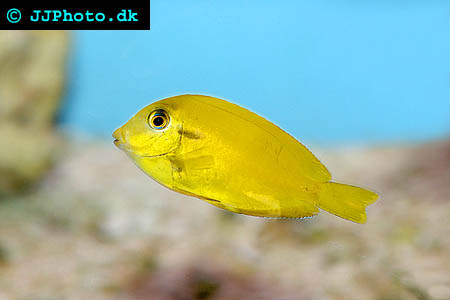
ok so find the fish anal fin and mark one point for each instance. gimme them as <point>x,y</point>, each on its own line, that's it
<point>270,207</point>
<point>297,212</point>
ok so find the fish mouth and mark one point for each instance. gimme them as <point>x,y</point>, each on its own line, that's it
<point>117,138</point>
<point>119,144</point>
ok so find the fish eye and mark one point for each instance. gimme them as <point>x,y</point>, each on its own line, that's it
<point>158,119</point>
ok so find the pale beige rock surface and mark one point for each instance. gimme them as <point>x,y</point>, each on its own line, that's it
<point>32,72</point>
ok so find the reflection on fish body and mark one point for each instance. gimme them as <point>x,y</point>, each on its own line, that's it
<point>234,159</point>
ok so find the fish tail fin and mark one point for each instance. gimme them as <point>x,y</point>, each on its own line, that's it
<point>345,201</point>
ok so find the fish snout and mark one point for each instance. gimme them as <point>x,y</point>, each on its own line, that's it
<point>118,137</point>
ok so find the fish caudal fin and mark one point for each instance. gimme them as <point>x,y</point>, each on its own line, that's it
<point>345,201</point>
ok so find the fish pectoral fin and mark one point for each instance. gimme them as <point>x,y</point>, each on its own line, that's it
<point>193,163</point>
<point>194,160</point>
<point>200,162</point>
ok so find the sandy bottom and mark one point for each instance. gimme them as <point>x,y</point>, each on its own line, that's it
<point>98,228</point>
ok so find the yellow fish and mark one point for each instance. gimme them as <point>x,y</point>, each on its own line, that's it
<point>234,159</point>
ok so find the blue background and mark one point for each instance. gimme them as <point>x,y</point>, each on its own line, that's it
<point>326,71</point>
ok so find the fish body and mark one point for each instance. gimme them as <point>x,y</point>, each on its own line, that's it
<point>234,159</point>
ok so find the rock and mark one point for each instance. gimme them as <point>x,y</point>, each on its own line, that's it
<point>32,69</point>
